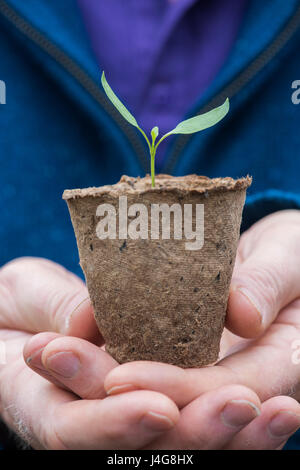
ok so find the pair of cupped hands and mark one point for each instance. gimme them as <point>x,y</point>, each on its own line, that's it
<point>59,389</point>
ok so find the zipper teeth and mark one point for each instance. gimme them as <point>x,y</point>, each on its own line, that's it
<point>87,83</point>
<point>241,81</point>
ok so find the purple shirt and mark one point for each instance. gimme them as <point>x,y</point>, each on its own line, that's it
<point>160,55</point>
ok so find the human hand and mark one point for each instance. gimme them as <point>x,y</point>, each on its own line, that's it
<point>216,419</point>
<point>264,364</point>
<point>267,271</point>
<point>73,411</point>
<point>37,295</point>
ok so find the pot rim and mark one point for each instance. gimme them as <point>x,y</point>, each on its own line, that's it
<point>164,183</point>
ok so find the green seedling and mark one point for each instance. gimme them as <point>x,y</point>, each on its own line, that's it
<point>189,126</point>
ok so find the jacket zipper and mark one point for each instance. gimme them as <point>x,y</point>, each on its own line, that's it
<point>89,85</point>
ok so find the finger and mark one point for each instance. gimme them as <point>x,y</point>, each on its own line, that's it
<point>32,353</point>
<point>47,417</point>
<point>269,365</point>
<point>212,420</point>
<point>181,385</point>
<point>266,279</point>
<point>128,421</point>
<point>71,362</point>
<point>279,420</point>
<point>39,295</point>
<point>27,403</point>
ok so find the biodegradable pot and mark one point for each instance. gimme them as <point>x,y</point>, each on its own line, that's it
<point>154,299</point>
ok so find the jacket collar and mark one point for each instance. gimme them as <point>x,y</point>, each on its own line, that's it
<point>262,23</point>
<point>262,26</point>
<point>55,35</point>
<point>61,24</point>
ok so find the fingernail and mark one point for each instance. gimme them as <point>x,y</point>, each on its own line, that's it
<point>35,359</point>
<point>238,413</point>
<point>120,389</point>
<point>65,364</point>
<point>157,422</point>
<point>283,424</point>
<point>249,297</point>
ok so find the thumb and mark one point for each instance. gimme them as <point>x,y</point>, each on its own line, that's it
<point>38,295</point>
<point>262,284</point>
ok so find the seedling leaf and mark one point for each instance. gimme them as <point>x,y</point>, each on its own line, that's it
<point>190,126</point>
<point>203,121</point>
<point>117,103</point>
<point>154,133</point>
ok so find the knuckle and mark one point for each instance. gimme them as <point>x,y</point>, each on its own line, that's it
<point>59,304</point>
<point>265,284</point>
<point>19,271</point>
<point>17,264</point>
<point>52,441</point>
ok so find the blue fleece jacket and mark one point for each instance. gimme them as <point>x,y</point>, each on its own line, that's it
<point>58,131</point>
